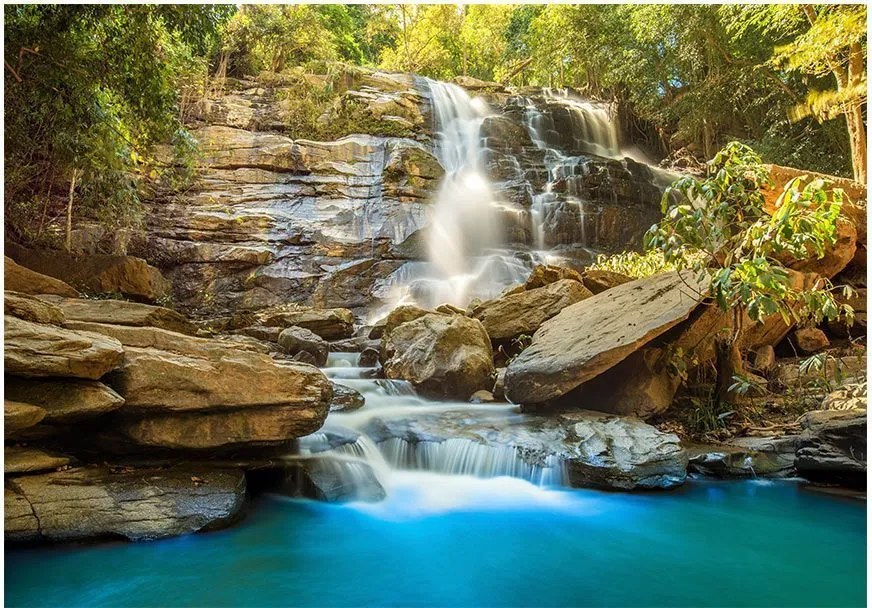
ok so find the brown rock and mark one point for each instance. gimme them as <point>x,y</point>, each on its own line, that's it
<point>810,340</point>
<point>523,313</point>
<point>64,399</point>
<point>858,302</point>
<point>441,355</point>
<point>297,339</point>
<point>121,312</point>
<point>543,275</point>
<point>395,318</point>
<point>17,460</point>
<point>18,416</point>
<point>329,323</point>
<point>764,359</point>
<point>21,279</point>
<point>33,349</point>
<point>597,281</point>
<point>836,257</point>
<point>587,338</point>
<point>32,309</point>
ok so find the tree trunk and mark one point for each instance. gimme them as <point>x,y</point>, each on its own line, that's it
<point>729,363</point>
<point>69,231</point>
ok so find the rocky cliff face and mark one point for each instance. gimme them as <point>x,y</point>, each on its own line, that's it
<point>271,219</point>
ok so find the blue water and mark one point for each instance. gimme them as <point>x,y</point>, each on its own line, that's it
<point>462,542</point>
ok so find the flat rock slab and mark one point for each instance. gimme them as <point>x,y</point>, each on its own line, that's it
<point>583,449</point>
<point>136,504</point>
<point>17,460</point>
<point>18,416</point>
<point>31,308</point>
<point>34,349</point>
<point>64,399</point>
<point>832,446</point>
<point>122,312</point>
<point>24,280</point>
<point>589,337</point>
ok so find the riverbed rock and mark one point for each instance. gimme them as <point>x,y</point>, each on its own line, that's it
<point>589,337</point>
<point>395,318</point>
<point>592,449</point>
<point>34,349</point>
<point>368,357</point>
<point>328,323</point>
<point>298,339</point>
<point>441,355</point>
<point>832,446</point>
<point>345,399</point>
<point>510,316</point>
<point>545,274</point>
<point>126,275</point>
<point>122,312</point>
<point>745,457</point>
<point>20,460</point>
<point>31,308</point>
<point>136,504</point>
<point>21,279</point>
<point>64,400</point>
<point>18,416</point>
<point>153,380</point>
<point>331,480</point>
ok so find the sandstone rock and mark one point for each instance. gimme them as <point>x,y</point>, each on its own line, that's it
<point>859,302</point>
<point>598,281</point>
<point>247,427</point>
<point>810,340</point>
<point>296,339</point>
<point>18,416</point>
<point>499,389</point>
<point>305,356</point>
<point>117,274</point>
<point>543,275</point>
<point>746,457</point>
<point>330,323</point>
<point>523,313</point>
<point>589,337</point>
<point>450,309</point>
<point>791,372</point>
<point>64,399</point>
<point>441,355</point>
<point>152,380</point>
<point>594,449</point>
<point>395,318</point>
<point>764,359</point>
<point>21,279</point>
<point>832,446</point>
<point>31,309</point>
<point>482,397</point>
<point>269,334</point>
<point>851,396</point>
<point>640,385</point>
<point>33,349</point>
<point>345,399</point>
<point>836,257</point>
<point>142,504</point>
<point>121,312</point>
<point>18,460</point>
<point>368,358</point>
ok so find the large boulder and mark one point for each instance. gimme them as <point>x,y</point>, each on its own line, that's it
<point>33,349</point>
<point>299,339</point>
<point>140,504</point>
<point>30,308</point>
<point>442,355</point>
<point>331,480</point>
<point>64,399</point>
<point>18,416</point>
<point>345,399</point>
<point>589,337</point>
<point>329,323</point>
<point>583,449</point>
<point>21,279</point>
<point>116,274</point>
<point>832,446</point>
<point>544,274</point>
<point>395,318</point>
<point>523,313</point>
<point>121,312</point>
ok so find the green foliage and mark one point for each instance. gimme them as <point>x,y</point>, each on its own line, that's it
<point>719,226</point>
<point>634,264</point>
<point>90,90</point>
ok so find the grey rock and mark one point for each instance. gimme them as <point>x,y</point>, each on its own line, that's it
<point>298,339</point>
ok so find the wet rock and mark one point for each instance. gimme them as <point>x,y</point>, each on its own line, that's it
<point>441,355</point>
<point>598,281</point>
<point>746,457</point>
<point>128,276</point>
<point>368,357</point>
<point>18,416</point>
<point>345,399</point>
<point>33,349</point>
<point>584,449</point>
<point>589,337</point>
<point>482,397</point>
<point>523,313</point>
<point>65,400</point>
<point>298,339</point>
<point>121,312</point>
<point>19,460</point>
<point>305,356</point>
<point>30,308</point>
<point>832,446</point>
<point>331,480</point>
<point>21,279</point>
<point>499,389</point>
<point>141,504</point>
<point>810,340</point>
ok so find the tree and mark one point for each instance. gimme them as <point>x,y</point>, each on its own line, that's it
<point>719,226</point>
